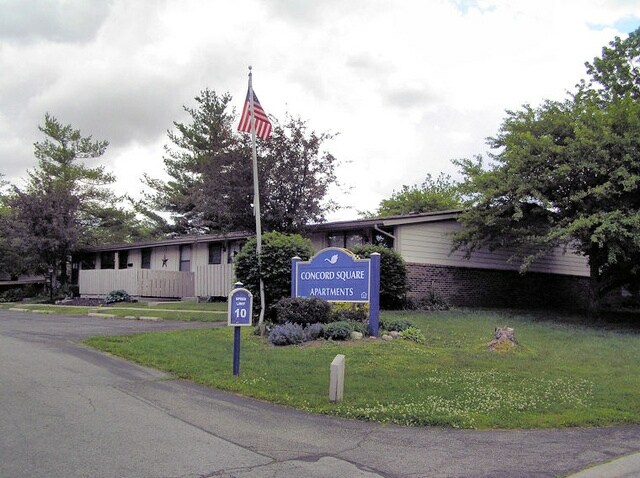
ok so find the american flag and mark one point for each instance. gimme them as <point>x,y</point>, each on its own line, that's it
<point>263,125</point>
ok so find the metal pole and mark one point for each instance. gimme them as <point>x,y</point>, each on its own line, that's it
<point>256,198</point>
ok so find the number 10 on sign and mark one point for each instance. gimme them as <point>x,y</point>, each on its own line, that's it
<point>240,306</point>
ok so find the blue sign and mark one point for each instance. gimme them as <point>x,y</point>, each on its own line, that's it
<point>240,307</point>
<point>333,274</point>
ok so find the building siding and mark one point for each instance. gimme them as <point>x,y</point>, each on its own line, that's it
<point>431,243</point>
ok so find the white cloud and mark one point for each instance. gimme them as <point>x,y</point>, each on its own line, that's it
<point>408,84</point>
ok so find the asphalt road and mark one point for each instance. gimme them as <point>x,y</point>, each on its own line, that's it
<point>68,411</point>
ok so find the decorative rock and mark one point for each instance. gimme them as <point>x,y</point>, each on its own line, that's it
<point>356,335</point>
<point>387,337</point>
<point>395,334</point>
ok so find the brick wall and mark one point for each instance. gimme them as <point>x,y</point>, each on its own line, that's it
<point>493,288</point>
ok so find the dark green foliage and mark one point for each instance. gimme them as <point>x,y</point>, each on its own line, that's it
<point>277,251</point>
<point>64,206</point>
<point>117,296</point>
<point>210,165</point>
<point>396,325</point>
<point>12,295</point>
<point>339,330</point>
<point>431,301</point>
<point>302,311</point>
<point>393,275</point>
<point>567,174</point>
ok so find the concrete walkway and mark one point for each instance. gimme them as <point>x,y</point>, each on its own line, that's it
<point>69,411</point>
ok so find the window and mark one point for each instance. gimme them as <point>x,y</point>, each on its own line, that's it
<point>347,239</point>
<point>215,253</point>
<point>123,259</point>
<point>185,258</point>
<point>146,258</point>
<point>386,240</point>
<point>88,261</point>
<point>335,239</point>
<point>108,260</point>
<point>233,250</point>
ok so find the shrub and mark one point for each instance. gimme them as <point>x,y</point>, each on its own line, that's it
<point>393,274</point>
<point>414,334</point>
<point>277,251</point>
<point>292,334</point>
<point>313,332</point>
<point>396,325</point>
<point>338,330</point>
<point>349,311</point>
<point>287,334</point>
<point>12,295</point>
<point>117,296</point>
<point>302,311</point>
<point>432,301</point>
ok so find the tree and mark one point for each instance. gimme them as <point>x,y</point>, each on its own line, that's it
<point>439,194</point>
<point>295,176</point>
<point>393,274</point>
<point>567,174</point>
<point>277,251</point>
<point>210,165</point>
<point>65,204</point>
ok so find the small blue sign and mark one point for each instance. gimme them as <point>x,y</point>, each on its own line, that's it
<point>240,307</point>
<point>333,274</point>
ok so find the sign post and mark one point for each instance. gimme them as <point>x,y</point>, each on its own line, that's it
<point>336,275</point>
<point>240,307</point>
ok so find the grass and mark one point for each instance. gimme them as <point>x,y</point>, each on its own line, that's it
<point>562,374</point>
<point>187,311</point>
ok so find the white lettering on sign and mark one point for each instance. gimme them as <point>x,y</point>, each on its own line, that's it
<point>317,275</point>
<point>332,291</point>
<point>349,275</point>
<point>331,275</point>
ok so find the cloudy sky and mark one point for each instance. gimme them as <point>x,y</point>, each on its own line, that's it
<point>407,84</point>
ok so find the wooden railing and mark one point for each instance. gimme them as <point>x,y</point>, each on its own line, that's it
<point>137,282</point>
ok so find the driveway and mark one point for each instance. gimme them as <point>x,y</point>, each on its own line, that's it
<point>69,411</point>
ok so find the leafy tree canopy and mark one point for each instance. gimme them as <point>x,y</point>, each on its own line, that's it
<point>211,180</point>
<point>65,204</point>
<point>567,173</point>
<point>439,194</point>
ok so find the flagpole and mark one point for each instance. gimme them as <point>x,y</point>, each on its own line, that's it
<point>256,199</point>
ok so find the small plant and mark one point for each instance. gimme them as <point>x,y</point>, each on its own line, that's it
<point>414,334</point>
<point>117,296</point>
<point>12,295</point>
<point>395,325</point>
<point>338,330</point>
<point>302,311</point>
<point>347,311</point>
<point>313,332</point>
<point>287,334</point>
<point>291,334</point>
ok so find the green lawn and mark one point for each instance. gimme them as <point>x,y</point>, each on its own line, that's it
<point>562,374</point>
<point>189,311</point>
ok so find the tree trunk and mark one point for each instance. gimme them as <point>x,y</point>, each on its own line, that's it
<point>593,299</point>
